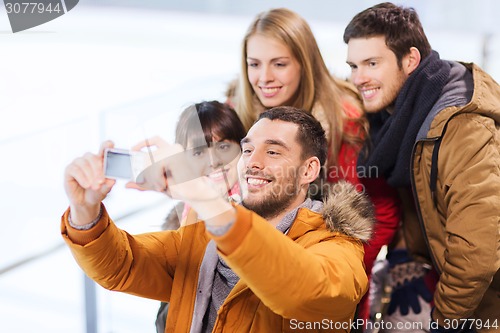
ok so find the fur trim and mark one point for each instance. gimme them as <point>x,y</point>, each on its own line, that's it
<point>349,211</point>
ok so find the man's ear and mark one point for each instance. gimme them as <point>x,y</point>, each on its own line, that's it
<point>311,170</point>
<point>411,60</point>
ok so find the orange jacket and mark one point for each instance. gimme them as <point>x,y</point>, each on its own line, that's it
<point>312,274</point>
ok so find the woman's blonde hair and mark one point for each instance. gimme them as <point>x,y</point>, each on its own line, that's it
<point>318,91</point>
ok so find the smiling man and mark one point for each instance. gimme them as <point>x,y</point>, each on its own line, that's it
<point>285,261</point>
<point>435,136</point>
<point>270,167</point>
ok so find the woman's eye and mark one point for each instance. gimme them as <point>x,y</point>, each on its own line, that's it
<point>223,146</point>
<point>198,152</point>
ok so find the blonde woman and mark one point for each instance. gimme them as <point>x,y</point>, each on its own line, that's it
<point>281,64</point>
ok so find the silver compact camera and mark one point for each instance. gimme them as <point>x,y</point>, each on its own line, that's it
<point>124,164</point>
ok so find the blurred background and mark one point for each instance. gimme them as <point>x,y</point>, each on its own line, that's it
<point>124,70</point>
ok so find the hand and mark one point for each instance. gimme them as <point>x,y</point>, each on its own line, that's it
<point>170,172</point>
<point>86,186</point>
<point>407,281</point>
<point>153,177</point>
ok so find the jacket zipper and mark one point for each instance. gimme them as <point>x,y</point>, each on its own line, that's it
<point>417,204</point>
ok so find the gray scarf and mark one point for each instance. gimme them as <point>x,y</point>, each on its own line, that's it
<point>216,279</point>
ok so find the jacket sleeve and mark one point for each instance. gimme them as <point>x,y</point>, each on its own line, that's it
<point>323,280</point>
<point>469,170</point>
<point>141,265</point>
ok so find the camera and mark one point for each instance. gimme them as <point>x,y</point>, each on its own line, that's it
<point>124,164</point>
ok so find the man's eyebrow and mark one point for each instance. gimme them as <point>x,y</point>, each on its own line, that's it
<point>268,142</point>
<point>277,143</point>
<point>364,61</point>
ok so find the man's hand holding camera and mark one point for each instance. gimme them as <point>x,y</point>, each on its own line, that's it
<point>168,171</point>
<point>86,186</point>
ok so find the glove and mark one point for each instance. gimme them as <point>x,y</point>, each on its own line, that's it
<point>407,282</point>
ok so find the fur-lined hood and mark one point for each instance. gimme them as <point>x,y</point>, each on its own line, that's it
<point>345,210</point>
<point>348,211</point>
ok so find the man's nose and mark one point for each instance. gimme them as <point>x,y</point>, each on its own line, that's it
<point>254,161</point>
<point>359,77</point>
